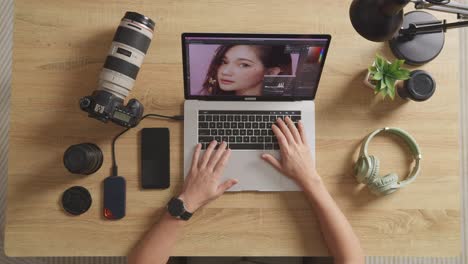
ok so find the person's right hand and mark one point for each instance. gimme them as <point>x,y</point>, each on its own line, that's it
<point>296,161</point>
<point>202,183</point>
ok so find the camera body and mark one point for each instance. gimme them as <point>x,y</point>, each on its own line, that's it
<point>124,59</point>
<point>105,106</point>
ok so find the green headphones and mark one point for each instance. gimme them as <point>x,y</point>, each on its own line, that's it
<point>367,166</point>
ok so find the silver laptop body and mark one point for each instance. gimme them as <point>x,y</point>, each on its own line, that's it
<point>276,99</point>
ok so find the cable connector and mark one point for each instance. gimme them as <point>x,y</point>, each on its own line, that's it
<point>178,117</point>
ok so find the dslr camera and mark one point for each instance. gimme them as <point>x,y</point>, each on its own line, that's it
<point>128,49</point>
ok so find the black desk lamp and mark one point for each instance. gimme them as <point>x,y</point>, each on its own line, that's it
<point>417,37</point>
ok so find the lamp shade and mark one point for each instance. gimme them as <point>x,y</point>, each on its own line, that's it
<point>377,20</point>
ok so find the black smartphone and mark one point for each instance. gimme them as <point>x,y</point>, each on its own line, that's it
<point>155,161</point>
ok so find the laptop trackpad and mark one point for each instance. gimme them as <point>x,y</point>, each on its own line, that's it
<point>255,174</point>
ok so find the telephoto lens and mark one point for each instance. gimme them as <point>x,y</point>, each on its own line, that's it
<point>123,62</point>
<point>85,158</point>
<point>128,49</point>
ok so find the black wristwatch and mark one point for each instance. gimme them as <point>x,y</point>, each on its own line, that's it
<point>176,208</point>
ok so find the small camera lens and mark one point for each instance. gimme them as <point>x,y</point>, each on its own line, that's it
<point>85,158</point>
<point>419,87</point>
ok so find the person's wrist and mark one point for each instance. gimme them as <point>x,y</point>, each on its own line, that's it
<point>310,180</point>
<point>189,203</point>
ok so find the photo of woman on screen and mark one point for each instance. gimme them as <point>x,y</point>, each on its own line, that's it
<point>239,70</point>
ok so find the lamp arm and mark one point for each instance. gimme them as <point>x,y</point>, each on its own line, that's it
<point>435,26</point>
<point>451,7</point>
<point>430,27</point>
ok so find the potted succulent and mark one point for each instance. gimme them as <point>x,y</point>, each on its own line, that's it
<point>383,75</point>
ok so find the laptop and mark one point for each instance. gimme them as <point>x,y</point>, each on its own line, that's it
<point>237,85</point>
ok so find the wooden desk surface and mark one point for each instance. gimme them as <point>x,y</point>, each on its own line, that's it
<point>59,50</point>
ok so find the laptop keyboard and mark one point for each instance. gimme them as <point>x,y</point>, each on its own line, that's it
<point>241,129</point>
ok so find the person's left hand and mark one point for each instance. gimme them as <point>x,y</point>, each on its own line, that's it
<point>202,184</point>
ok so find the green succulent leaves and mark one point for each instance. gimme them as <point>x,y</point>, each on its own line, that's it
<point>385,75</point>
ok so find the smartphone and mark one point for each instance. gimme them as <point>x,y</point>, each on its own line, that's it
<point>155,160</point>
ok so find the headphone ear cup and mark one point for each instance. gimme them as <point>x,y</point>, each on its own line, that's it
<point>361,169</point>
<point>364,169</point>
<point>384,184</point>
<point>375,167</point>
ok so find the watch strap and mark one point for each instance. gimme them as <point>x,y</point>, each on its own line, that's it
<point>186,215</point>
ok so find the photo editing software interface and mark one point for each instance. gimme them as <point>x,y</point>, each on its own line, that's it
<point>254,66</point>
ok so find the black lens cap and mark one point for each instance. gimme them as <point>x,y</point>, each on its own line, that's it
<point>76,200</point>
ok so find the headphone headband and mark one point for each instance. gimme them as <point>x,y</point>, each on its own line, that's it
<point>409,140</point>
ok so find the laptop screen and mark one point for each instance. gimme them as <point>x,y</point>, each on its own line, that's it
<point>252,66</point>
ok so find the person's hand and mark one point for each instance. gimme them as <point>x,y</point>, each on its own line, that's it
<point>202,183</point>
<point>296,160</point>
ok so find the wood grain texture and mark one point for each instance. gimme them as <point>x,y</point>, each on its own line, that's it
<point>59,49</point>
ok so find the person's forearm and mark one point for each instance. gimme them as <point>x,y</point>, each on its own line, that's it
<point>157,244</point>
<point>338,233</point>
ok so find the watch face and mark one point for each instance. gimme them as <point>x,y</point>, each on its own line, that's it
<point>176,207</point>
